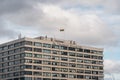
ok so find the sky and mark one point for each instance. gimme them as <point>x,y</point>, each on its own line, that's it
<point>88,22</point>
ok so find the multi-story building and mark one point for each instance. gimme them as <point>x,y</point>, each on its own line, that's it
<point>45,58</point>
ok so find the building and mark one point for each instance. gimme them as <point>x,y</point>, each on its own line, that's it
<point>45,58</point>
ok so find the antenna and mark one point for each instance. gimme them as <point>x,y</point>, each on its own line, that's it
<point>19,36</point>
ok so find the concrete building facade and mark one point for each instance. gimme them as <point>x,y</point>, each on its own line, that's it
<point>45,58</point>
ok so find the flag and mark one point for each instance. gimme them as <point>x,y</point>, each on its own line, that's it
<point>61,30</point>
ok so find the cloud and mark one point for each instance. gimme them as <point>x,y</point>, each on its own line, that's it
<point>48,16</point>
<point>88,28</point>
<point>5,31</point>
<point>111,66</point>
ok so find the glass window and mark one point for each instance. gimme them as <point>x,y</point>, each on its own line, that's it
<point>37,50</point>
<point>47,62</point>
<point>72,76</point>
<point>80,50</point>
<point>55,58</point>
<point>87,61</point>
<point>55,52</point>
<point>38,44</point>
<point>55,46</point>
<point>46,57</point>
<point>55,74</point>
<point>11,46</point>
<point>80,60</point>
<point>72,65</point>
<point>64,70</point>
<point>55,63</point>
<point>64,58</point>
<point>72,48</point>
<point>38,61</point>
<point>11,51</point>
<point>80,66</point>
<point>28,54</point>
<point>46,68</point>
<point>64,75</point>
<point>37,67</point>
<point>86,50</point>
<point>86,56</point>
<point>28,43</point>
<point>64,53</point>
<point>79,55</point>
<point>64,64</point>
<point>46,45</point>
<point>47,74</point>
<point>63,47</point>
<point>16,56</point>
<point>37,73</point>
<point>28,60</point>
<point>71,54</point>
<point>46,51</point>
<point>72,60</point>
<point>28,48</point>
<point>38,55</point>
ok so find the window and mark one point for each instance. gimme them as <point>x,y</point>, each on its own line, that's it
<point>55,46</point>
<point>72,48</point>
<point>71,54</point>
<point>64,58</point>
<point>55,63</point>
<point>72,60</point>
<point>46,45</point>
<point>64,70</point>
<point>72,65</point>
<point>37,50</point>
<point>28,48</point>
<point>79,55</point>
<point>37,73</point>
<point>28,60</point>
<point>47,62</point>
<point>46,51</point>
<point>86,56</point>
<point>28,66</point>
<point>38,44</point>
<point>80,50</point>
<point>72,76</point>
<point>28,43</point>
<point>63,47</point>
<point>72,70</point>
<point>47,74</point>
<point>87,72</point>
<point>80,66</point>
<point>28,54</point>
<point>64,75</point>
<point>79,60</point>
<point>37,61</point>
<point>80,71</point>
<point>64,53</point>
<point>55,52</point>
<point>37,67</point>
<point>64,64</point>
<point>38,55</point>
<point>11,51</point>
<point>87,61</point>
<point>46,57</point>
<point>86,50</point>
<point>55,75</point>
<point>17,44</point>
<point>11,46</point>
<point>55,58</point>
<point>46,68</point>
<point>17,56</point>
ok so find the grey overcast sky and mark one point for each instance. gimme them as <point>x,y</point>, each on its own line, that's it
<point>88,22</point>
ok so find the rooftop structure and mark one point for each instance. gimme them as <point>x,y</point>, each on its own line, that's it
<point>44,58</point>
